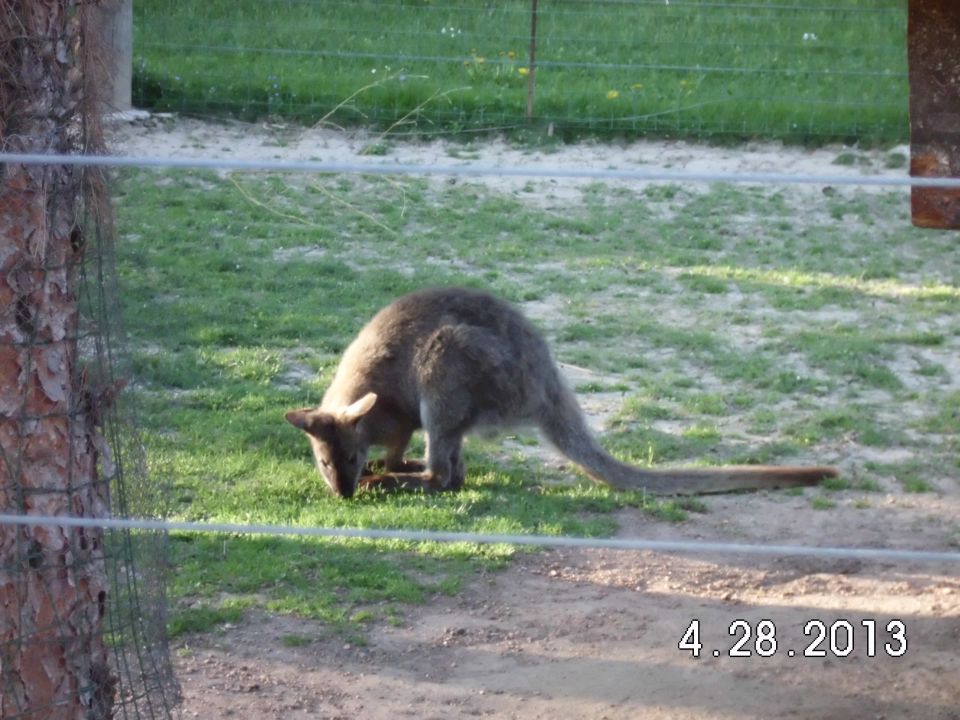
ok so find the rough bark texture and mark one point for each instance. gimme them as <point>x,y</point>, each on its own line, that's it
<point>53,587</point>
<point>933,50</point>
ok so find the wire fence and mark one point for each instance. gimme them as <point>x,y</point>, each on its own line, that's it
<point>802,70</point>
<point>466,170</point>
<point>67,591</point>
<point>691,547</point>
<point>83,620</point>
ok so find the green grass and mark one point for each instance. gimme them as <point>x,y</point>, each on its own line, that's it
<point>736,341</point>
<point>913,476</point>
<point>822,503</point>
<point>827,71</point>
<point>295,641</point>
<point>205,617</point>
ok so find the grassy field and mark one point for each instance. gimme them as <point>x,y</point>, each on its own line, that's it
<point>726,324</point>
<point>804,72</point>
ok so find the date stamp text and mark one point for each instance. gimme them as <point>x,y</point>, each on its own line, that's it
<point>816,639</point>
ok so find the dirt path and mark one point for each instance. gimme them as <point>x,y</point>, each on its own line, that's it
<point>594,634</point>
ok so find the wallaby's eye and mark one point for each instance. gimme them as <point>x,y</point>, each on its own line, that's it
<point>325,463</point>
<point>352,459</point>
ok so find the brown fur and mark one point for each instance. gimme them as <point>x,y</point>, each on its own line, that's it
<point>452,360</point>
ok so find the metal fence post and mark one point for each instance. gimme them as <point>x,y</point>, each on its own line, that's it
<point>531,76</point>
<point>115,26</point>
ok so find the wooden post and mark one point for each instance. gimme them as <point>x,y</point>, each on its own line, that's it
<point>532,69</point>
<point>933,51</point>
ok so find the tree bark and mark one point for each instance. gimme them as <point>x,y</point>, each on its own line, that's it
<point>53,586</point>
<point>933,53</point>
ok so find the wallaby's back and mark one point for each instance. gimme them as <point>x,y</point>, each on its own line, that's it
<point>395,353</point>
<point>453,359</point>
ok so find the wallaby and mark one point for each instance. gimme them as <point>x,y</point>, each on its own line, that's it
<point>452,360</point>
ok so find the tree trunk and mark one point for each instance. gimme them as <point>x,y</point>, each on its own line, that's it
<point>53,587</point>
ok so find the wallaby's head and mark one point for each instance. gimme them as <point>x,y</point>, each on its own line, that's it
<point>338,443</point>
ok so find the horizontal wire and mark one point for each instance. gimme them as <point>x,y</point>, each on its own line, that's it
<point>658,4</point>
<point>541,62</point>
<point>673,546</point>
<point>378,168</point>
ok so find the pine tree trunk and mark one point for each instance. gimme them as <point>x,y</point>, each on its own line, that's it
<point>53,587</point>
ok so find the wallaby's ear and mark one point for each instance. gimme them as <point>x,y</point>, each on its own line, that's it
<point>361,407</point>
<point>299,418</point>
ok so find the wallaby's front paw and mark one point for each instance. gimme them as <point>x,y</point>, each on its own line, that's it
<point>379,467</point>
<point>393,483</point>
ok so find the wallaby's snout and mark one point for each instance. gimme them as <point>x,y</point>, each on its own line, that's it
<point>342,480</point>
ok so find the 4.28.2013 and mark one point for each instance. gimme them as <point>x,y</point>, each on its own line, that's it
<point>820,639</point>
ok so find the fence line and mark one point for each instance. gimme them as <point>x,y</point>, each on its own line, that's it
<point>559,64</point>
<point>672,546</point>
<point>469,170</point>
<point>613,66</point>
<point>654,4</point>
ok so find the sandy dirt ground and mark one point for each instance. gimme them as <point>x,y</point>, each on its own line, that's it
<point>596,633</point>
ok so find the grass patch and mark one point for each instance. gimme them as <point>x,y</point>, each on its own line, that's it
<point>913,476</point>
<point>676,69</point>
<point>946,418</point>
<point>203,618</point>
<point>295,641</point>
<point>834,424</point>
<point>820,502</point>
<point>850,353</point>
<point>835,484</point>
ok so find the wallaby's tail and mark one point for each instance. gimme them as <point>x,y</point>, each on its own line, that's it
<point>565,427</point>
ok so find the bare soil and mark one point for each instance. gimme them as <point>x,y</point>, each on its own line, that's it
<point>595,634</point>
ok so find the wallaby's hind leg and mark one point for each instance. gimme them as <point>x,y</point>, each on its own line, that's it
<point>394,462</point>
<point>469,376</point>
<point>394,473</point>
<point>442,470</point>
<point>458,469</point>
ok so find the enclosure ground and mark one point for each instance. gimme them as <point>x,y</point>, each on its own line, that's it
<point>594,634</point>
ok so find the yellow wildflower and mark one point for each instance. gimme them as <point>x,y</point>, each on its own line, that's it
<point>523,71</point>
<point>613,94</point>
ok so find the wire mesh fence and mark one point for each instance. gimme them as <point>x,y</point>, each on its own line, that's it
<point>91,600</point>
<point>800,70</point>
<point>135,562</point>
<point>82,627</point>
